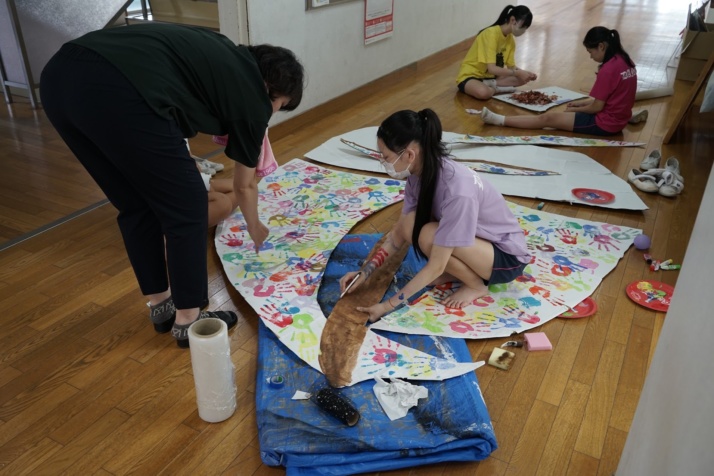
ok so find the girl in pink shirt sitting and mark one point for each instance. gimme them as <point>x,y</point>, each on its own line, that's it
<point>608,109</point>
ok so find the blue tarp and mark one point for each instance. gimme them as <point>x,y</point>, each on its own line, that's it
<point>452,425</point>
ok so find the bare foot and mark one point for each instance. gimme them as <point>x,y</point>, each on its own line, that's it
<point>443,279</point>
<point>465,296</point>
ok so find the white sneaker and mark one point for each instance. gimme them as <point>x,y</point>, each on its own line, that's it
<point>639,117</point>
<point>651,161</point>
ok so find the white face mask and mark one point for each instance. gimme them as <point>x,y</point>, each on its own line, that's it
<point>389,168</point>
<point>518,30</point>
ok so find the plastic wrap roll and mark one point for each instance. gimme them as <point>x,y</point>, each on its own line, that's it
<point>213,370</point>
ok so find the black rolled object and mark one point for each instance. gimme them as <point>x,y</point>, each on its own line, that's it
<point>334,404</point>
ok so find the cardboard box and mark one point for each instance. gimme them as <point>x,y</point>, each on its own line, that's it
<point>689,69</point>
<point>697,46</point>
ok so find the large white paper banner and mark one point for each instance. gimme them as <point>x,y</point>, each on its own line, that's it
<point>576,170</point>
<point>308,210</point>
<point>544,139</point>
<point>570,257</point>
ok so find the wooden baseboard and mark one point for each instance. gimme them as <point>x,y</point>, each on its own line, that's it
<point>342,102</point>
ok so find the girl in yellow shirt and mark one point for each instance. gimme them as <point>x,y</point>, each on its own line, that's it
<point>489,66</point>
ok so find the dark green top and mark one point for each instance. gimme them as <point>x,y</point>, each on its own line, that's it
<point>197,76</point>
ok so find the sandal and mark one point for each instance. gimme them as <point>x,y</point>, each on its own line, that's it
<point>180,331</point>
<point>644,181</point>
<point>163,315</point>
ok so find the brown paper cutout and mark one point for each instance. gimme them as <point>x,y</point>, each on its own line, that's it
<point>346,327</point>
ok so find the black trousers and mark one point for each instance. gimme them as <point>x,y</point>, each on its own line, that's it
<point>140,161</point>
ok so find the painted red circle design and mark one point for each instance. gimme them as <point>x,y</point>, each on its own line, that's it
<point>586,307</point>
<point>592,195</point>
<point>651,294</point>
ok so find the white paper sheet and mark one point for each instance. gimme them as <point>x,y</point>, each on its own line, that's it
<point>577,170</point>
<point>564,95</point>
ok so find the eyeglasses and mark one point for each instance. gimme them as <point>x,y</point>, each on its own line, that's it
<point>399,156</point>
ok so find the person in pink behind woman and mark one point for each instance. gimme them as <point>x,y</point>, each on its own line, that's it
<point>608,109</point>
<point>266,163</point>
<point>222,201</point>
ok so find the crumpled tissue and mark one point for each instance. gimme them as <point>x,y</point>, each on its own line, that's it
<point>398,397</point>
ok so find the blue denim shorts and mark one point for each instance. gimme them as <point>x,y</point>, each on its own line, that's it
<point>506,267</point>
<point>585,124</point>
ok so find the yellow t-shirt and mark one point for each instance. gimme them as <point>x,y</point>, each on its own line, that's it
<point>490,47</point>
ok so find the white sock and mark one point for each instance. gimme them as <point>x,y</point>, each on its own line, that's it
<point>490,117</point>
<point>491,83</point>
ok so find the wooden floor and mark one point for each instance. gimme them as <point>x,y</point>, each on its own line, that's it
<point>87,387</point>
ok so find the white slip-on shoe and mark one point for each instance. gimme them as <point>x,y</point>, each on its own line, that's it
<point>651,161</point>
<point>672,165</point>
<point>644,182</point>
<point>639,117</point>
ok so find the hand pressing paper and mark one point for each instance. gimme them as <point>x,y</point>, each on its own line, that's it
<point>398,397</point>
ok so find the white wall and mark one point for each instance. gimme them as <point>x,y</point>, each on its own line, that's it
<point>673,428</point>
<point>329,40</point>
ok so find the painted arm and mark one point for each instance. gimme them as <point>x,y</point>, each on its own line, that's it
<point>246,192</point>
<point>434,268</point>
<point>391,245</point>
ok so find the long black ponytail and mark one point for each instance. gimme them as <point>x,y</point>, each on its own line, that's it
<point>600,34</point>
<point>424,127</point>
<point>521,12</point>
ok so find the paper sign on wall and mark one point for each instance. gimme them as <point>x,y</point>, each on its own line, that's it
<point>378,20</point>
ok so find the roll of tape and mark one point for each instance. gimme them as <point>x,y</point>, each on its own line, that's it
<point>276,381</point>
